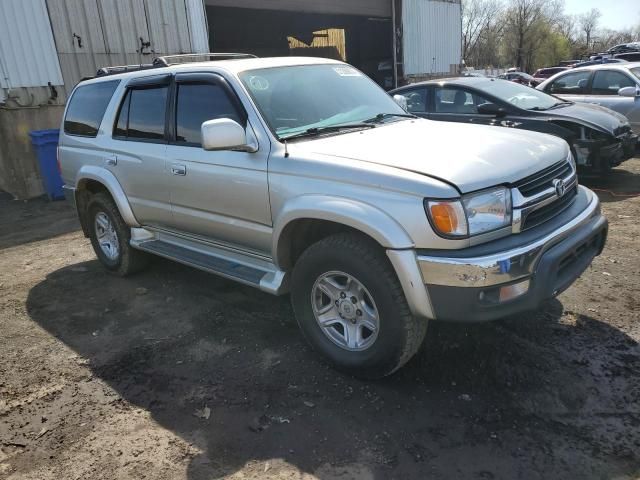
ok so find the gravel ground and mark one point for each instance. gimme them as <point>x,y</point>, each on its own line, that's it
<point>176,374</point>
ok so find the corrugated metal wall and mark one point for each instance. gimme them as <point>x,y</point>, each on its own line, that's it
<point>432,32</point>
<point>27,50</point>
<point>91,34</point>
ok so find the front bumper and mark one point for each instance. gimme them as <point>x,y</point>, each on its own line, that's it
<point>466,285</point>
<point>598,155</point>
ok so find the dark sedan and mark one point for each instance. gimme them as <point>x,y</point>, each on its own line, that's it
<point>599,138</point>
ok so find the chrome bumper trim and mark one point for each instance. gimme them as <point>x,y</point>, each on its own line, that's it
<point>503,267</point>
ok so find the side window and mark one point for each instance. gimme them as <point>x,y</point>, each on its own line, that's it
<point>608,82</point>
<point>571,83</point>
<point>454,100</point>
<point>142,114</point>
<point>87,107</point>
<point>416,99</point>
<point>197,103</point>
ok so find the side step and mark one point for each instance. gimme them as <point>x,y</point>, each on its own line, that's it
<point>230,264</point>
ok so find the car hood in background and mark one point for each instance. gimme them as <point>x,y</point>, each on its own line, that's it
<point>594,116</point>
<point>470,157</point>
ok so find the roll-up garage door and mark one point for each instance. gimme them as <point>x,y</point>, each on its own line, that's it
<point>370,8</point>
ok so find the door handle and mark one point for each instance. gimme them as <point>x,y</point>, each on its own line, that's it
<point>178,170</point>
<point>111,161</point>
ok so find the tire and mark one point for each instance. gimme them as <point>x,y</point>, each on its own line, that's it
<point>120,257</point>
<point>336,260</point>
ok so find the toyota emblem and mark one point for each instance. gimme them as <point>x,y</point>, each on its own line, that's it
<point>560,187</point>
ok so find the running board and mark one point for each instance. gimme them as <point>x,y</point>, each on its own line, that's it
<point>243,268</point>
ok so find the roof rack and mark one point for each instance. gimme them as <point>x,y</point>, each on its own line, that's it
<point>104,71</point>
<point>168,60</point>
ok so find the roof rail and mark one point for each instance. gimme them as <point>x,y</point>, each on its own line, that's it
<point>168,60</point>
<point>104,71</point>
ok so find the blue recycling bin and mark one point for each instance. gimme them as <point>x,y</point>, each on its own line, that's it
<point>46,144</point>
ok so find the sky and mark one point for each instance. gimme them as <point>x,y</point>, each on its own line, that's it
<point>616,14</point>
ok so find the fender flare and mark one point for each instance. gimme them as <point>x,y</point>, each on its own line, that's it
<point>108,179</point>
<point>360,216</point>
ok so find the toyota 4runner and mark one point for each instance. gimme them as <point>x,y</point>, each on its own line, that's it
<point>301,175</point>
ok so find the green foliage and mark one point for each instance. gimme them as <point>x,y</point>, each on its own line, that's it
<point>531,34</point>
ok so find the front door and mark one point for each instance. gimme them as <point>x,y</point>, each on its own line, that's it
<point>221,196</point>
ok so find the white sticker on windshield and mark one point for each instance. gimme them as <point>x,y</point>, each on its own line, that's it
<point>347,72</point>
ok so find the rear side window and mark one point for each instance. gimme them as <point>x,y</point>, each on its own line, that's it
<point>142,114</point>
<point>87,107</point>
<point>197,103</point>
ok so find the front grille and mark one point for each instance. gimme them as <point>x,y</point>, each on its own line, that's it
<point>542,180</point>
<point>541,215</point>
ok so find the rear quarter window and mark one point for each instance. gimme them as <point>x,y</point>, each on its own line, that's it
<point>86,108</point>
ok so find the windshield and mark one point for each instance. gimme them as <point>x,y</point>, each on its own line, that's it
<point>636,72</point>
<point>294,99</point>
<point>521,96</point>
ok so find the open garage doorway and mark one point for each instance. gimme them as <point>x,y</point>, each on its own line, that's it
<point>363,41</point>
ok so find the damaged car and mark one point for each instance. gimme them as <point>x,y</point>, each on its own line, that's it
<point>600,138</point>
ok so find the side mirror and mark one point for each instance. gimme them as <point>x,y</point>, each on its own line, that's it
<point>629,92</point>
<point>223,134</point>
<point>491,109</point>
<point>402,101</point>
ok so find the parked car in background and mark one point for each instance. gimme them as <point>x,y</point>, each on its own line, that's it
<point>302,176</point>
<point>543,73</point>
<point>624,47</point>
<point>522,78</point>
<point>599,61</point>
<point>629,56</point>
<point>599,138</point>
<point>615,86</point>
<point>568,63</point>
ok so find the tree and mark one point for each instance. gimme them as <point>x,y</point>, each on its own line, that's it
<point>524,19</point>
<point>478,16</point>
<point>589,24</point>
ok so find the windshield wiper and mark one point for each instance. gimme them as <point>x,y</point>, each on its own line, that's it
<point>315,131</point>
<point>560,104</point>
<point>382,116</point>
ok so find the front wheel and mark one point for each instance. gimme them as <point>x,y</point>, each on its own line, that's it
<point>351,308</point>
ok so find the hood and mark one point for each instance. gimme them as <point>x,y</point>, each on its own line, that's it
<point>470,157</point>
<point>594,116</point>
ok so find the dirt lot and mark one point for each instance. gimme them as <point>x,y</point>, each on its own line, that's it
<point>176,374</point>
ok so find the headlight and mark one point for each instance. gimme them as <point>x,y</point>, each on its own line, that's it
<point>473,214</point>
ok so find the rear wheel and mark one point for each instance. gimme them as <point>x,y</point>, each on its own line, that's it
<point>351,308</point>
<point>110,237</point>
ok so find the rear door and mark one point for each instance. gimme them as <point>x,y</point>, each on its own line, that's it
<point>222,196</point>
<point>137,149</point>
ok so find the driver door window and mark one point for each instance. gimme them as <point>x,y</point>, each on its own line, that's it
<point>457,101</point>
<point>416,100</point>
<point>197,103</point>
<point>570,84</point>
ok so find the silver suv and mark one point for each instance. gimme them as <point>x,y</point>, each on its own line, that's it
<point>301,175</point>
